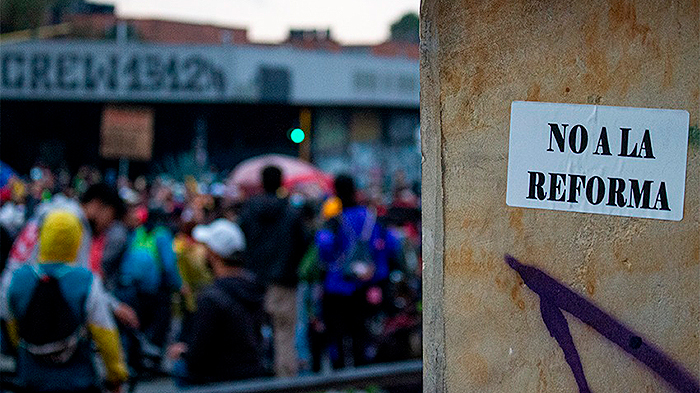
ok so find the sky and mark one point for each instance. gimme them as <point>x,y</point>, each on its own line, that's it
<point>350,21</point>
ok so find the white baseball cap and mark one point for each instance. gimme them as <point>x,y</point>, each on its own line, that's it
<point>221,236</point>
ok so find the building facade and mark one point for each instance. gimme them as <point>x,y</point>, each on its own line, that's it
<point>215,103</point>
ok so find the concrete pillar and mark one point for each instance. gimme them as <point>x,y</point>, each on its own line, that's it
<point>483,323</point>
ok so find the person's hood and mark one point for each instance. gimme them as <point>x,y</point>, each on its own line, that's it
<point>268,207</point>
<point>249,292</point>
<point>26,247</point>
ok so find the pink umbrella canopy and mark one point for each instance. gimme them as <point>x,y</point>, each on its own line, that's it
<point>296,175</point>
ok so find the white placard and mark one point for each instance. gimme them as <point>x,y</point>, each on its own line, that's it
<point>598,159</point>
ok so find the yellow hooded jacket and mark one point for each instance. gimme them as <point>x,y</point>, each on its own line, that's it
<point>60,237</point>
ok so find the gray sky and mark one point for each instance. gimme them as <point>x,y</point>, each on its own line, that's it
<point>351,21</point>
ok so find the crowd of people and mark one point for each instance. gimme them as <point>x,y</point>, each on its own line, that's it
<point>185,279</point>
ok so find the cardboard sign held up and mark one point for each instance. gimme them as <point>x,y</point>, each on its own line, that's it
<point>127,132</point>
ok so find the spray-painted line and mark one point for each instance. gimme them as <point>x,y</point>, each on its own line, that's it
<point>559,329</point>
<point>555,297</point>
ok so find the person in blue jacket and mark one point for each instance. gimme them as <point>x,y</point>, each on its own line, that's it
<point>355,250</point>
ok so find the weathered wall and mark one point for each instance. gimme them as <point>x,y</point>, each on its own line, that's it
<point>484,331</point>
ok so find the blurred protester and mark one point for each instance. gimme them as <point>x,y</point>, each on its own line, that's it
<point>5,244</point>
<point>141,187</point>
<point>404,216</point>
<point>63,180</point>
<point>96,210</point>
<point>311,275</point>
<point>400,334</point>
<point>191,263</point>
<point>223,341</point>
<point>26,245</point>
<point>163,199</point>
<point>56,312</point>
<point>40,188</point>
<point>355,250</point>
<point>25,251</point>
<point>277,241</point>
<point>98,213</point>
<point>148,276</point>
<point>136,213</point>
<point>104,210</point>
<point>12,212</point>
<point>11,216</point>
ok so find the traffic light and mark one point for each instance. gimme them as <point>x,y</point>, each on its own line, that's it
<point>297,135</point>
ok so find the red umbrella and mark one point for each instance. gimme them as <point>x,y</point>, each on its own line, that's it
<point>296,174</point>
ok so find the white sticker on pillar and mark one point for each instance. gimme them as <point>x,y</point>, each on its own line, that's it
<point>598,159</point>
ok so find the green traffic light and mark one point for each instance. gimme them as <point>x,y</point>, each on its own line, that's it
<point>297,135</point>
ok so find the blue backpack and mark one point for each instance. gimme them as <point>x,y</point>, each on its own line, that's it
<point>141,267</point>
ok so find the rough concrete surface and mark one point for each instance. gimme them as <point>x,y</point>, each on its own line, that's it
<point>483,328</point>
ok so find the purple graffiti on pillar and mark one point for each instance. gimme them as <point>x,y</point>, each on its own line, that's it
<point>555,297</point>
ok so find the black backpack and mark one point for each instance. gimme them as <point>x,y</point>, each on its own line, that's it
<point>50,329</point>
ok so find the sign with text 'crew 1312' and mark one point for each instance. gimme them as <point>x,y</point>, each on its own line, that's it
<point>598,159</point>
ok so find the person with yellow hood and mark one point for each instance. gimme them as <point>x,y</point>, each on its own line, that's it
<point>57,311</point>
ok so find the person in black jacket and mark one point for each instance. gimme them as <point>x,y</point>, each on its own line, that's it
<point>5,245</point>
<point>277,241</point>
<point>223,341</point>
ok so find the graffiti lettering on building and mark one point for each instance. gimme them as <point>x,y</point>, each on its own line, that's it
<point>113,72</point>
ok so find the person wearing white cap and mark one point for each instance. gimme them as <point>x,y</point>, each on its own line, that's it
<point>223,341</point>
<point>222,237</point>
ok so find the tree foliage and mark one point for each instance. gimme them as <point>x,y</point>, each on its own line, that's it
<point>406,28</point>
<point>29,14</point>
<point>22,14</point>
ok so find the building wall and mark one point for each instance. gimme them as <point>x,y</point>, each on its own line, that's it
<point>367,105</point>
<point>372,144</point>
<point>83,70</point>
<point>483,325</point>
<point>157,31</point>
